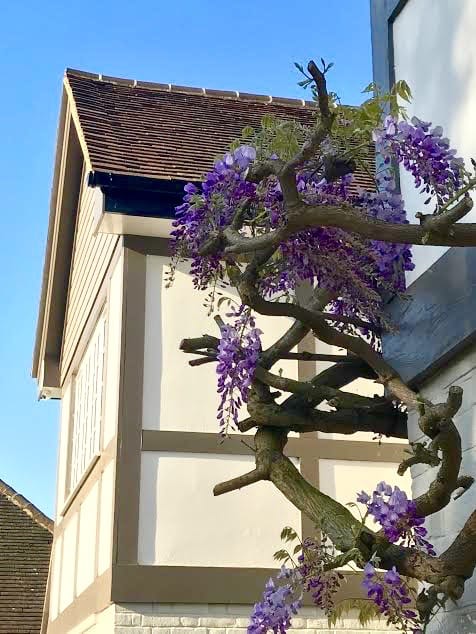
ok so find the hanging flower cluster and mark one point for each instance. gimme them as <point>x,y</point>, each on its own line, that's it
<point>424,152</point>
<point>279,604</point>
<point>316,575</point>
<point>316,569</point>
<point>238,355</point>
<point>208,210</point>
<point>390,593</point>
<point>397,515</point>
<point>282,598</point>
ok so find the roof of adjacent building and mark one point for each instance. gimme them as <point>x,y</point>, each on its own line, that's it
<point>25,545</point>
<point>165,131</point>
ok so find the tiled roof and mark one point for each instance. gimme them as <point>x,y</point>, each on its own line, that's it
<point>25,545</point>
<point>170,132</point>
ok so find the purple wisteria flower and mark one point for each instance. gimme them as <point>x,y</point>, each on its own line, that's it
<point>208,210</point>
<point>316,574</point>
<point>424,152</point>
<point>391,595</point>
<point>238,356</point>
<point>397,515</point>
<point>276,608</point>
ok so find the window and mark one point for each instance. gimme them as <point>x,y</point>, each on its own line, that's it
<point>87,405</point>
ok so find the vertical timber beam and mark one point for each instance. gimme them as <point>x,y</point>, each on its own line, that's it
<point>128,465</point>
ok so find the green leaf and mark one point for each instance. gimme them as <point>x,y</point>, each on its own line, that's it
<point>247,132</point>
<point>281,555</point>
<point>297,548</point>
<point>402,89</point>
<point>345,558</point>
<point>267,122</point>
<point>288,534</point>
<point>370,87</point>
<point>224,299</point>
<point>299,67</point>
<point>367,611</point>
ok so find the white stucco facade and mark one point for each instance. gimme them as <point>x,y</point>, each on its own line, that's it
<point>435,53</point>
<point>445,525</point>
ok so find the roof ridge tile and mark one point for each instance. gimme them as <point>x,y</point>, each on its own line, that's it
<point>189,90</point>
<point>26,506</point>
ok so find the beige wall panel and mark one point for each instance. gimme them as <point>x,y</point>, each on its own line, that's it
<point>182,523</point>
<point>92,254</point>
<point>55,577</point>
<point>343,479</point>
<point>176,396</point>
<point>102,623</point>
<point>68,565</point>
<point>105,518</point>
<point>63,448</point>
<point>435,52</point>
<point>87,542</point>
<point>113,354</point>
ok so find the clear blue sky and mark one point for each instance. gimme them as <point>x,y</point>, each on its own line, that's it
<point>247,45</point>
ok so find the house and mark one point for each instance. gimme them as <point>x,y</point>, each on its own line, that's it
<point>26,536</point>
<point>431,45</point>
<point>139,540</point>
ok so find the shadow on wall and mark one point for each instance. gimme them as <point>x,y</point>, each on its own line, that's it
<point>458,623</point>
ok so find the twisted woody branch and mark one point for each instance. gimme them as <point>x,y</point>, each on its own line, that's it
<point>447,572</point>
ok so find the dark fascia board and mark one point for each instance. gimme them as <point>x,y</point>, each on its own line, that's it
<point>138,195</point>
<point>438,319</point>
<point>142,183</point>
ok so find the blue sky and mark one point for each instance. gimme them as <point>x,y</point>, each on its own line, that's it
<point>247,45</point>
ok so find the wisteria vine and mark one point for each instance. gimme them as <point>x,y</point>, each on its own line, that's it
<point>358,273</point>
<point>317,569</point>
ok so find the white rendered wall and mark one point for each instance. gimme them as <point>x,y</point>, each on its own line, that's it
<point>445,525</point>
<point>101,623</point>
<point>435,52</point>
<point>55,572</point>
<point>343,479</point>
<point>84,550</point>
<point>68,564</point>
<point>176,495</point>
<point>86,563</point>
<point>105,515</point>
<point>63,448</point>
<point>177,396</point>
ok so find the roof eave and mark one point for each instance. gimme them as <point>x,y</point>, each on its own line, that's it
<point>40,324</point>
<point>69,160</point>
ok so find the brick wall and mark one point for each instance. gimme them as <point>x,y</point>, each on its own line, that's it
<point>444,526</point>
<point>146,618</point>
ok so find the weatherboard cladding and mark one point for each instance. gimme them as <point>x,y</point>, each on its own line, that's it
<point>25,545</point>
<point>91,257</point>
<point>171,132</point>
